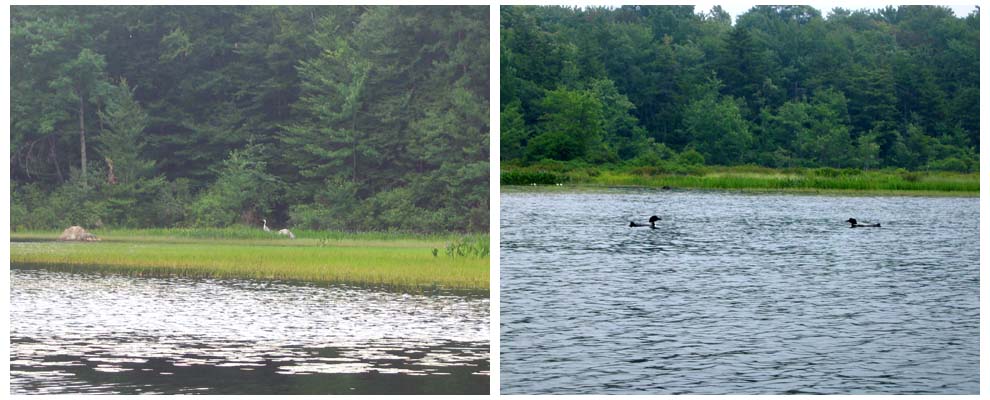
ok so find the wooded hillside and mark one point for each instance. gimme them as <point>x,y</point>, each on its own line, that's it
<point>783,86</point>
<point>323,117</point>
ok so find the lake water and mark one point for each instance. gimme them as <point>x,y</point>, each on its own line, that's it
<point>87,333</point>
<point>738,293</point>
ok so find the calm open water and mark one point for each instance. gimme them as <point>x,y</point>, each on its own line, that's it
<point>738,293</point>
<point>87,333</point>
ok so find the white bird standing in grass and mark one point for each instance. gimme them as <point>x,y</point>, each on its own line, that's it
<point>285,232</point>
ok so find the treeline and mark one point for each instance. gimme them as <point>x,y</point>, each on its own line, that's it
<point>782,87</point>
<point>346,118</point>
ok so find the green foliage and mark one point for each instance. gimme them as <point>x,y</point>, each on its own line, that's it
<point>131,195</point>
<point>556,146</point>
<point>28,208</point>
<point>716,124</point>
<point>415,153</point>
<point>171,204</point>
<point>571,124</point>
<point>950,164</point>
<point>74,203</point>
<point>176,45</point>
<point>622,133</point>
<point>784,87</point>
<point>244,191</point>
<point>514,132</point>
<point>691,157</point>
<point>147,202</point>
<point>531,177</point>
<point>392,100</point>
<point>312,216</point>
<point>335,207</point>
<point>122,138</point>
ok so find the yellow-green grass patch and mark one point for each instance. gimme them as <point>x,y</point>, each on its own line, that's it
<point>805,180</point>
<point>402,263</point>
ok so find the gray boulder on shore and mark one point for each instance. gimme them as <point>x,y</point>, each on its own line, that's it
<point>77,233</point>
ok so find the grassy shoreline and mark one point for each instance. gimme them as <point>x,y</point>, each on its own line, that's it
<point>392,261</point>
<point>758,179</point>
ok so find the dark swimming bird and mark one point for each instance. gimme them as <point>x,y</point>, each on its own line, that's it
<point>652,225</point>
<point>853,224</point>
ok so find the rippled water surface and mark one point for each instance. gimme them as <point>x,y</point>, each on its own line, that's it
<point>738,294</point>
<point>83,333</point>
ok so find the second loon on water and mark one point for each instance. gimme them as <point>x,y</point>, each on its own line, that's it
<point>854,224</point>
<point>652,223</point>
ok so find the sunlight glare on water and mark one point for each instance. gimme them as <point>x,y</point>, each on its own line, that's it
<point>88,333</point>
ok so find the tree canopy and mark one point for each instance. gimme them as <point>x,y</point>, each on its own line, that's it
<point>323,117</point>
<point>785,86</point>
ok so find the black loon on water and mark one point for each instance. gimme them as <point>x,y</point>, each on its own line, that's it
<point>853,224</point>
<point>652,225</point>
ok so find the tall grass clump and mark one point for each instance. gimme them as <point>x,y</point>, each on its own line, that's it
<point>472,246</point>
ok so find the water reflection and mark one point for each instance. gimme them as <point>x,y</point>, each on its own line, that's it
<point>738,294</point>
<point>81,333</point>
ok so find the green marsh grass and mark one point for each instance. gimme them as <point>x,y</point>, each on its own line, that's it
<point>395,261</point>
<point>794,179</point>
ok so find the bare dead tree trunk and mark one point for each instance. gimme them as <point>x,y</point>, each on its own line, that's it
<point>82,135</point>
<point>111,178</point>
<point>54,158</point>
<point>354,147</point>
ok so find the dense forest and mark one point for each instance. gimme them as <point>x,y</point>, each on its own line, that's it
<point>348,118</point>
<point>782,87</point>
